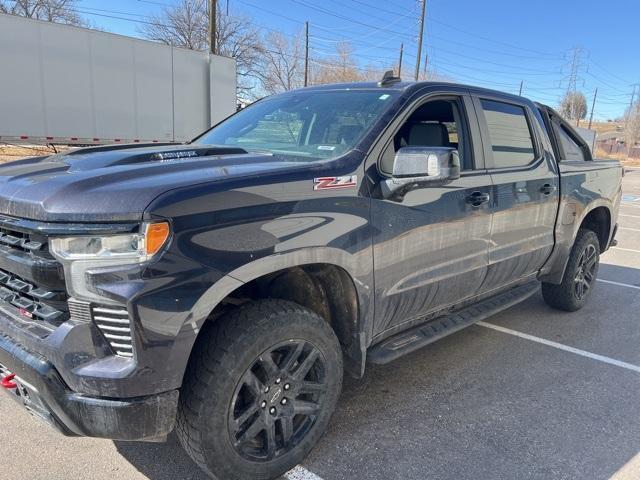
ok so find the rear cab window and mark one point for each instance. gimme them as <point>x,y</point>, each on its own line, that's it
<point>571,149</point>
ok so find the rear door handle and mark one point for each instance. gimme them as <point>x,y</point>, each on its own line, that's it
<point>547,189</point>
<point>477,198</point>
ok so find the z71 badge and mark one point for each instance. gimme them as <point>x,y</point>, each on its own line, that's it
<point>326,183</point>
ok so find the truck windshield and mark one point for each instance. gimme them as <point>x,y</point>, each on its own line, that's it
<point>313,125</point>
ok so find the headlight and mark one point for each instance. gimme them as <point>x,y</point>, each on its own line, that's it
<point>82,253</point>
<point>130,246</point>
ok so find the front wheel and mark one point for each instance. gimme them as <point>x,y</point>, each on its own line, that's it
<point>579,276</point>
<point>260,390</point>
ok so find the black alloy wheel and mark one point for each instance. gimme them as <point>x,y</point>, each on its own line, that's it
<point>586,271</point>
<point>579,278</point>
<point>259,391</point>
<point>277,400</point>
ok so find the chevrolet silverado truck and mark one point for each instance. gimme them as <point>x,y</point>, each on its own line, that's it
<point>221,287</point>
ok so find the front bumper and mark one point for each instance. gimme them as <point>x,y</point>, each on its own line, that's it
<point>41,390</point>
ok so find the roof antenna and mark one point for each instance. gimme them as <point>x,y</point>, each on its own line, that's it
<point>388,79</point>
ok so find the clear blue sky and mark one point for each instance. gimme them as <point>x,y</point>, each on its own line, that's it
<point>493,43</point>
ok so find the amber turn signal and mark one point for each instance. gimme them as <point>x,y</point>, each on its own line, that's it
<point>156,235</point>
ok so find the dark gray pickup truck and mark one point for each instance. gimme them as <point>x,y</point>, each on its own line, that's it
<point>221,287</point>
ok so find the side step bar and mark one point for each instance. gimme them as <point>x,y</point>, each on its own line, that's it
<point>421,335</point>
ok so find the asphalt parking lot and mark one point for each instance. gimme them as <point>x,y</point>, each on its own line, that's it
<point>532,393</point>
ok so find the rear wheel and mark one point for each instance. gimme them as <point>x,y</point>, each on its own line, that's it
<point>579,276</point>
<point>260,390</point>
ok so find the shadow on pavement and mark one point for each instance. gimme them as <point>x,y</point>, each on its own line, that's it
<point>160,461</point>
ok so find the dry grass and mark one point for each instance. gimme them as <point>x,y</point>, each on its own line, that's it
<point>621,157</point>
<point>16,152</point>
<point>604,127</point>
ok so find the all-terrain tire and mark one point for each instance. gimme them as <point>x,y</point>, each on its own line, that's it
<point>566,296</point>
<point>229,351</point>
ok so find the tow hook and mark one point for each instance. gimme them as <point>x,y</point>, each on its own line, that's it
<point>8,383</point>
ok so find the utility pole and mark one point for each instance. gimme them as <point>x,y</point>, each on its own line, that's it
<point>593,106</point>
<point>400,61</point>
<point>306,53</point>
<point>424,5</point>
<point>424,69</point>
<point>227,10</point>
<point>626,120</point>
<point>213,7</point>
<point>520,92</point>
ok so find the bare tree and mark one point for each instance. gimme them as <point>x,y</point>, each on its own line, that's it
<point>186,25</point>
<point>58,11</point>
<point>183,25</point>
<point>339,67</point>
<point>632,132</point>
<point>282,66</point>
<point>573,106</point>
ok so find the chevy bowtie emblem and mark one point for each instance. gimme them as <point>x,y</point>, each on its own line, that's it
<point>326,183</point>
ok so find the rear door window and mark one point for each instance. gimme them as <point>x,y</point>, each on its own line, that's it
<point>509,133</point>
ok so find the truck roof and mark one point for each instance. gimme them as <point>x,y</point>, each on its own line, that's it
<point>412,86</point>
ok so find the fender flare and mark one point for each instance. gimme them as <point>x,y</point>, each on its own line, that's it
<point>358,266</point>
<point>557,262</point>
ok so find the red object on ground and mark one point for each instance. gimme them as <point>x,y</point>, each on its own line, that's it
<point>7,381</point>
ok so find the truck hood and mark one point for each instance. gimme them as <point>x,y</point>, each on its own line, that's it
<point>117,183</point>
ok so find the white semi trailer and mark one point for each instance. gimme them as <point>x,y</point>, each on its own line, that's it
<point>70,85</point>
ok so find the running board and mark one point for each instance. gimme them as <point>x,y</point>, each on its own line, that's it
<point>429,332</point>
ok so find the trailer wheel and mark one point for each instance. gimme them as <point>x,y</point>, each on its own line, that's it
<point>579,277</point>
<point>260,389</point>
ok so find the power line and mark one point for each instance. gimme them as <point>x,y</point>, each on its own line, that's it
<point>520,70</point>
<point>156,3</point>
<point>498,42</point>
<point>611,74</point>
<point>377,7</point>
<point>358,53</point>
<point>343,17</point>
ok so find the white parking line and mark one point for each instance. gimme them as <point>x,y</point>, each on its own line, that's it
<point>627,228</point>
<point>626,215</point>
<point>625,249</point>
<point>301,473</point>
<point>559,346</point>
<point>618,283</point>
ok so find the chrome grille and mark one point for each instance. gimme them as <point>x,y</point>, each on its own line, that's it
<point>113,322</point>
<point>79,310</point>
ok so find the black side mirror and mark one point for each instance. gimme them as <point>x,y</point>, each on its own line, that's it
<point>415,167</point>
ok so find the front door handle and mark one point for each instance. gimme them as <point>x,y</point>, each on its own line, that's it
<point>547,189</point>
<point>477,198</point>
